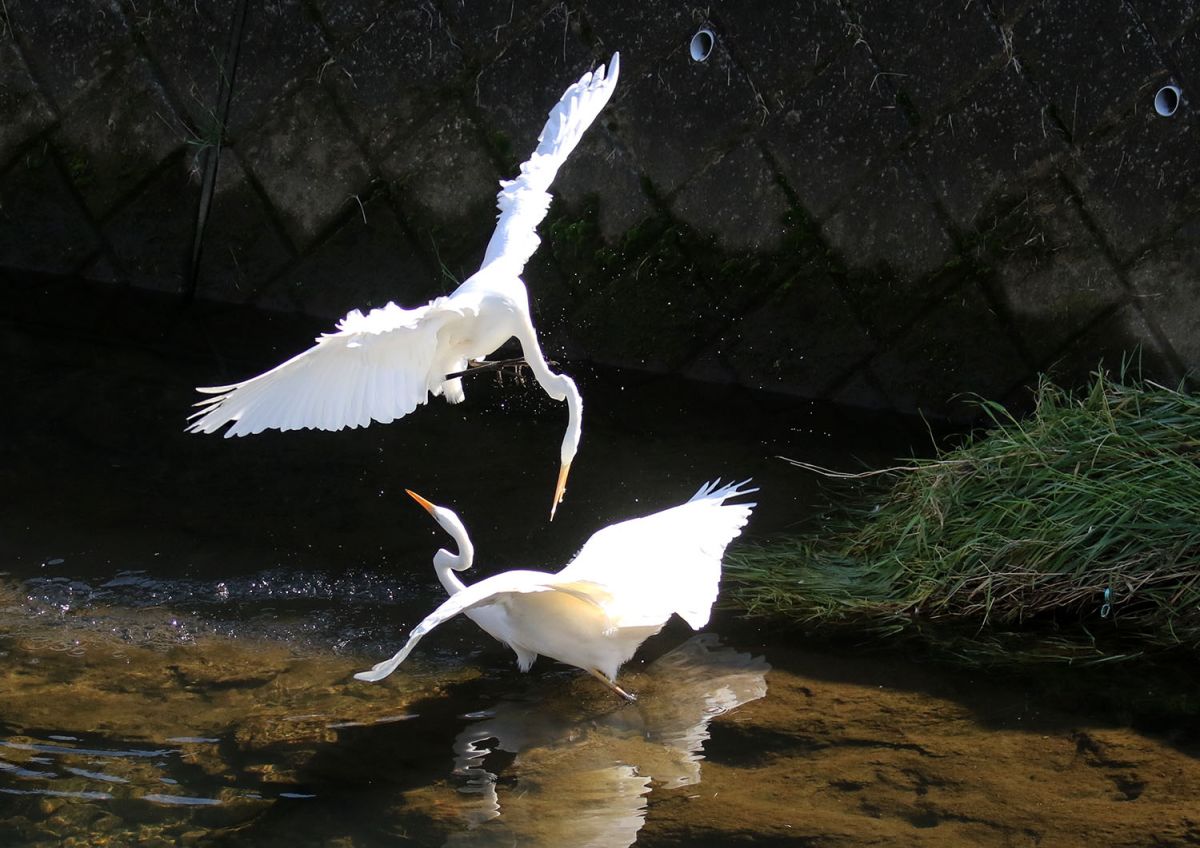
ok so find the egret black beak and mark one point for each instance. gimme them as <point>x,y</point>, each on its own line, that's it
<point>560,489</point>
<point>428,506</point>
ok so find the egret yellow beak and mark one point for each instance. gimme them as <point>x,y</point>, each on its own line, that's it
<point>428,506</point>
<point>561,488</point>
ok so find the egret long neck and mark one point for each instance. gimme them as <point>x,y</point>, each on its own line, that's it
<point>558,386</point>
<point>446,563</point>
<point>448,578</point>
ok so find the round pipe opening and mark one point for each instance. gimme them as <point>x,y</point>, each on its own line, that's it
<point>1166,101</point>
<point>702,45</point>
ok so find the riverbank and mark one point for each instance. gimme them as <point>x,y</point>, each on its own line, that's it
<point>1071,534</point>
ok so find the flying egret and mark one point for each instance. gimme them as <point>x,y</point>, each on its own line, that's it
<point>618,591</point>
<point>383,365</point>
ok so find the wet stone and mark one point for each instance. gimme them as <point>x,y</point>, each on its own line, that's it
<point>429,104</point>
<point>44,227</point>
<point>484,31</point>
<point>749,219</point>
<point>665,318</point>
<point>1053,33</point>
<point>682,115</point>
<point>1142,183</point>
<point>113,140</point>
<point>1109,343</point>
<point>1184,54</point>
<point>23,110</point>
<point>281,44</point>
<point>710,366</point>
<point>446,183</point>
<point>518,89</point>
<point>929,368</point>
<point>1167,19</point>
<point>393,75</point>
<point>281,47</point>
<point>1054,277</point>
<point>1167,281</point>
<point>812,34</point>
<point>890,222</point>
<point>990,146</point>
<point>368,262</point>
<point>832,134</point>
<point>645,33</point>
<point>73,817</point>
<point>602,172</point>
<point>802,340</point>
<point>187,41</point>
<point>900,35</point>
<point>151,236</point>
<point>243,248</point>
<point>71,45</point>
<point>307,162</point>
<point>862,392</point>
<point>554,294</point>
<point>345,21</point>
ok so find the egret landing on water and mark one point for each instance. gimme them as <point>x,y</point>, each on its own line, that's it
<point>383,365</point>
<point>618,591</point>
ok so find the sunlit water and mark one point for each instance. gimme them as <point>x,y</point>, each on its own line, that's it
<point>180,617</point>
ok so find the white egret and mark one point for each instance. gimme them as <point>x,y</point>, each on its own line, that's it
<point>618,591</point>
<point>383,365</point>
<point>491,619</point>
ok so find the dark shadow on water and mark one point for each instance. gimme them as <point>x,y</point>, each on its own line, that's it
<point>93,441</point>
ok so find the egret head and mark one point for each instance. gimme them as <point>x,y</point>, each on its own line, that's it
<point>451,523</point>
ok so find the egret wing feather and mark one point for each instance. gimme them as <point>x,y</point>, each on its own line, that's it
<point>489,591</point>
<point>668,562</point>
<point>524,201</point>
<point>375,367</point>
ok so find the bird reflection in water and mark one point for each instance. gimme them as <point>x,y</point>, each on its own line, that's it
<point>583,780</point>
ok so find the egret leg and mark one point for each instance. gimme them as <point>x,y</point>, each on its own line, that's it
<point>611,685</point>
<point>477,366</point>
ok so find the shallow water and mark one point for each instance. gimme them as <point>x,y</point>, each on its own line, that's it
<point>181,616</point>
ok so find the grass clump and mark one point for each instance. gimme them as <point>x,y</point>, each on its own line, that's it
<point>1081,523</point>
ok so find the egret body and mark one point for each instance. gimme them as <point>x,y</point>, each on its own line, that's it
<point>382,365</point>
<point>620,589</point>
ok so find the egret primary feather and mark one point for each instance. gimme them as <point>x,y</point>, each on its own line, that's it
<point>380,366</point>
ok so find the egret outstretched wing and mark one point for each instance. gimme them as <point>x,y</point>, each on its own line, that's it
<point>489,591</point>
<point>668,562</point>
<point>375,367</point>
<point>523,201</point>
<point>381,366</point>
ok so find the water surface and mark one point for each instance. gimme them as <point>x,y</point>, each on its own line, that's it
<point>180,617</point>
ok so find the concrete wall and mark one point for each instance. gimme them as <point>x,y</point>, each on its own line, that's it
<point>884,204</point>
